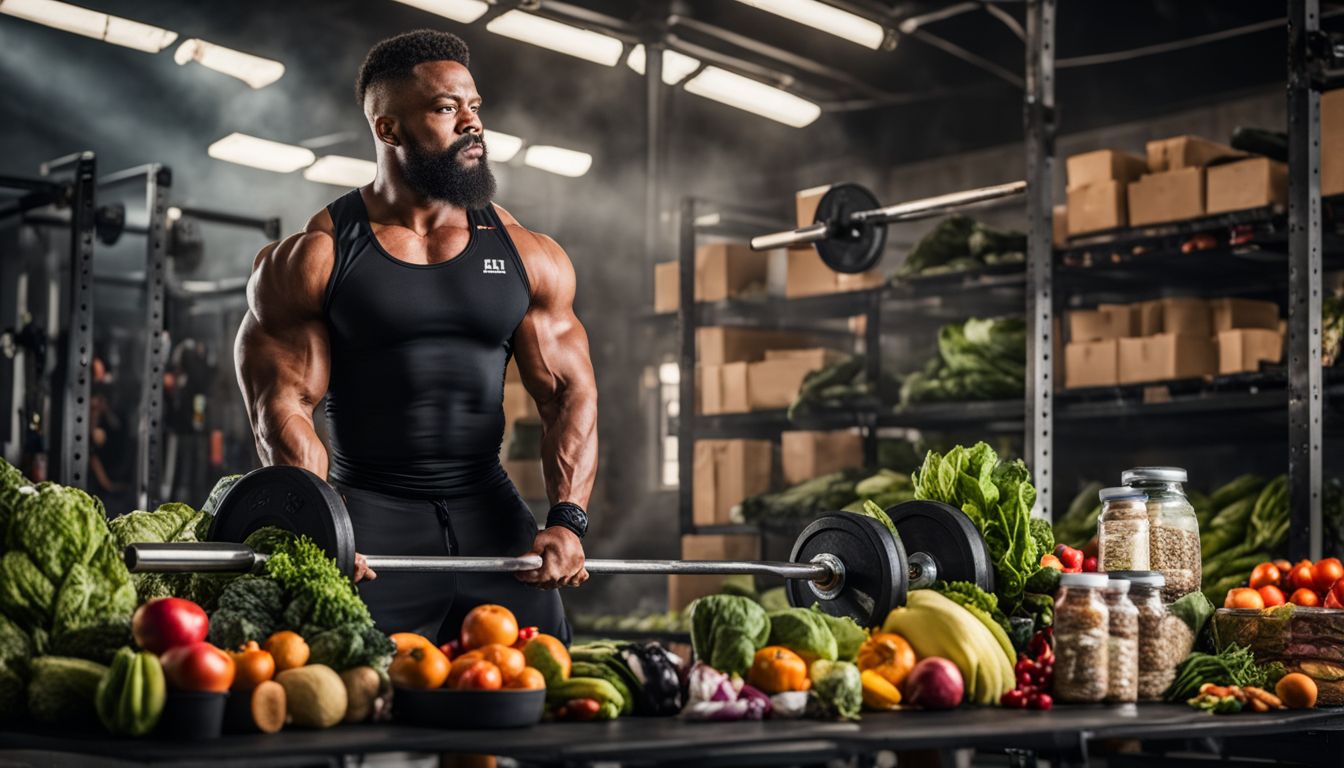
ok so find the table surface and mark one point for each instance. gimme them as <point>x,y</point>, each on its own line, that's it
<point>672,739</point>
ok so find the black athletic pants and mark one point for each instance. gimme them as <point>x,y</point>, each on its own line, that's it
<point>495,522</point>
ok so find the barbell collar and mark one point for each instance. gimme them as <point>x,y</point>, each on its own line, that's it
<point>812,233</point>
<point>938,205</point>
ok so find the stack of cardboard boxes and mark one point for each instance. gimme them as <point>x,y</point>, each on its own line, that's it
<point>1180,178</point>
<point>520,408</point>
<point>747,369</point>
<point>728,471</point>
<point>1169,339</point>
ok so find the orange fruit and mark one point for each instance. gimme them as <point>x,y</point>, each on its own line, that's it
<point>529,679</point>
<point>460,665</point>
<point>289,649</point>
<point>509,660</point>
<point>487,624</point>
<point>1244,597</point>
<point>405,641</point>
<point>422,667</point>
<point>480,676</point>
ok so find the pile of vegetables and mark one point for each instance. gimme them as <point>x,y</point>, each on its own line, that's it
<point>1234,665</point>
<point>645,674</point>
<point>981,359</point>
<point>842,386</point>
<point>998,497</point>
<point>959,244</point>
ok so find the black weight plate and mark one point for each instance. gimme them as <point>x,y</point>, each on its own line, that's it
<point>291,498</point>
<point>874,567</point>
<point>948,535</point>
<point>849,246</point>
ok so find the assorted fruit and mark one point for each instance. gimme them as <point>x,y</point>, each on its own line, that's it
<point>484,658</point>
<point>1274,583</point>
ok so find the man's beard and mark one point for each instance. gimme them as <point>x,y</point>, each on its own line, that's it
<point>441,176</point>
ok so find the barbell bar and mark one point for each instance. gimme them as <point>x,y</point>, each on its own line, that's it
<point>849,230</point>
<point>849,564</point>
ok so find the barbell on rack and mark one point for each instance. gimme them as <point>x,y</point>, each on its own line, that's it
<point>849,564</point>
<point>849,230</point>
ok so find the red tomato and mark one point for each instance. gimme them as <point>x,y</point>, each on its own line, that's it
<point>1335,597</point>
<point>1243,597</point>
<point>1070,557</point>
<point>481,676</point>
<point>168,622</point>
<point>1272,595</point>
<point>1326,572</point>
<point>1264,575</point>
<point>198,667</point>
<point>1285,568</point>
<point>1305,598</point>
<point>1090,565</point>
<point>1301,576</point>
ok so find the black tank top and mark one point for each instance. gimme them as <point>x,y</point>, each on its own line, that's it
<point>418,352</point>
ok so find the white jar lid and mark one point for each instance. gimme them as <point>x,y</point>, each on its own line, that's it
<point>1155,474</point>
<point>1090,580</point>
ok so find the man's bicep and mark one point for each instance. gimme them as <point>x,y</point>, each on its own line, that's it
<point>552,345</point>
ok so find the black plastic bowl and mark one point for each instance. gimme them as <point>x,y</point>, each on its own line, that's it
<point>448,708</point>
<point>191,715</point>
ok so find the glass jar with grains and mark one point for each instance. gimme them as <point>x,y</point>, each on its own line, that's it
<point>1082,631</point>
<point>1164,638</point>
<point>1122,645</point>
<point>1122,532</point>
<point>1173,530</point>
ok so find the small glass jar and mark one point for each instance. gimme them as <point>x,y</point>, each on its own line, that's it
<point>1173,530</point>
<point>1082,632</point>
<point>1159,638</point>
<point>1122,645</point>
<point>1122,532</point>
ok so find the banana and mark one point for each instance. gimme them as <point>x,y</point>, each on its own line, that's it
<point>930,633</point>
<point>937,626</point>
<point>131,695</point>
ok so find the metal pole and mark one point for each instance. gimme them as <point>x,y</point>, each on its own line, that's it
<point>686,329</point>
<point>149,460</point>
<point>655,137</point>
<point>1039,108</point>
<point>72,412</point>
<point>1304,285</point>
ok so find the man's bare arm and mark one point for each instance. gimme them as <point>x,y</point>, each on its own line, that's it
<point>552,351</point>
<point>282,350</point>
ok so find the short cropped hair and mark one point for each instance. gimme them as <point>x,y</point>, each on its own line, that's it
<point>395,57</point>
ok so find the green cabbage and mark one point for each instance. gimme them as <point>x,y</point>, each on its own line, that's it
<point>804,632</point>
<point>847,632</point>
<point>727,630</point>
<point>222,486</point>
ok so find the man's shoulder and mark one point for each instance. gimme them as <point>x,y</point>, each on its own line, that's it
<point>300,265</point>
<point>531,245</point>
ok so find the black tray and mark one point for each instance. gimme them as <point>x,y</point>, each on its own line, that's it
<point>448,708</point>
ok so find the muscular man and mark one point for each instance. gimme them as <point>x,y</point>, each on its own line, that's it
<point>402,302</point>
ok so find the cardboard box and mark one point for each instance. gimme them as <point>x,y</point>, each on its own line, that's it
<point>806,455</point>
<point>726,344</point>
<point>816,356</point>
<point>1252,183</point>
<point>775,383</point>
<point>806,274</point>
<point>1091,363</point>
<point>1150,317</point>
<point>1186,152</point>
<point>721,388</point>
<point>725,270</point>
<point>527,477</point>
<point>1165,357</point>
<point>1229,314</point>
<point>1168,196</point>
<point>726,472</point>
<point>682,589</point>
<point>666,286</point>
<point>806,202</point>
<point>518,404</point>
<point>1244,349</point>
<point>1332,142</point>
<point>861,281</point>
<point>1187,317</point>
<point>1059,226</point>
<point>1103,165</point>
<point>1107,321</point>
<point>1097,207</point>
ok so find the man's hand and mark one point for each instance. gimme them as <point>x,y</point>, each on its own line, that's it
<point>362,570</point>
<point>561,560</point>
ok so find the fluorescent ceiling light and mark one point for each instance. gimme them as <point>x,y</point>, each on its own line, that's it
<point>747,94</point>
<point>341,171</point>
<point>676,65</point>
<point>502,146</point>
<point>99,26</point>
<point>253,70</point>
<point>593,46</point>
<point>565,162</point>
<point>826,18</point>
<point>260,153</point>
<point>465,11</point>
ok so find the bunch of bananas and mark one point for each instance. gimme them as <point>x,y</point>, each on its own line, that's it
<point>936,626</point>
